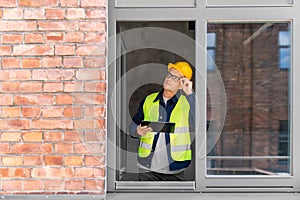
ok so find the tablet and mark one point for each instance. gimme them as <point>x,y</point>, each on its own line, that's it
<point>167,127</point>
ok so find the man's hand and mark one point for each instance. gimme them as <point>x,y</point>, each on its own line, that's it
<point>142,130</point>
<point>187,86</point>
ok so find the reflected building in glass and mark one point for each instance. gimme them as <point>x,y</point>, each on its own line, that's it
<point>254,61</point>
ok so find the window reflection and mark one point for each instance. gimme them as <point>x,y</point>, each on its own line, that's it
<point>255,139</point>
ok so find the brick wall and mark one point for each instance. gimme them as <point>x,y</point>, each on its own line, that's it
<point>52,96</point>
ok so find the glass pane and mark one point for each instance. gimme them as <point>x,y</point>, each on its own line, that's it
<point>148,47</point>
<point>284,58</point>
<point>255,138</point>
<point>284,38</point>
<point>211,39</point>
<point>211,59</point>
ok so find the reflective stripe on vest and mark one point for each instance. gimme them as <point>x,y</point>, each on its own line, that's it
<point>180,142</point>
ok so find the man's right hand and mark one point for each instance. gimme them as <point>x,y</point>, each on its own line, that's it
<point>142,130</point>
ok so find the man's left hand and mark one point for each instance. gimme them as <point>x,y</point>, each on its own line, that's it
<point>187,86</point>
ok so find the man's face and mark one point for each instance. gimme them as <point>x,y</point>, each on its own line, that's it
<point>172,81</point>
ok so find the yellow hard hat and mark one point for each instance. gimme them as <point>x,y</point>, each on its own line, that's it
<point>182,67</point>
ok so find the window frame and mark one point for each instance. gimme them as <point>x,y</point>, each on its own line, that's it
<point>203,14</point>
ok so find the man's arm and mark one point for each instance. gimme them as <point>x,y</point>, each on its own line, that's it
<point>136,120</point>
<point>191,99</point>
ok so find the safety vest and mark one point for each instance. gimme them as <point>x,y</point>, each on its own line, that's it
<point>180,141</point>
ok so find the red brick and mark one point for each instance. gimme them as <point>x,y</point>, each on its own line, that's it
<point>32,50</point>
<point>90,75</point>
<point>11,136</point>
<point>10,63</point>
<point>101,124</point>
<point>32,148</point>
<point>4,148</point>
<point>55,13</point>
<point>34,99</point>
<point>73,111</point>
<point>94,38</point>
<point>19,172</point>
<point>64,50</point>
<point>73,136</point>
<point>12,160</point>
<point>73,62</point>
<point>10,86</point>
<point>53,160</point>
<point>12,185</point>
<point>32,136</point>
<point>73,161</point>
<point>73,87</point>
<point>31,63</point>
<point>4,173</point>
<point>53,185</point>
<point>74,37</point>
<point>98,111</point>
<point>53,74</point>
<point>92,26</point>
<point>52,112</point>
<point>89,148</point>
<point>94,161</point>
<point>93,3</point>
<point>11,111</point>
<point>38,3</point>
<point>15,75</point>
<point>69,3</point>
<point>89,99</point>
<point>52,124</point>
<point>17,26</point>
<point>34,38</point>
<point>8,3</point>
<point>34,13</point>
<point>96,14</point>
<point>33,160</point>
<point>97,62</point>
<point>30,87</point>
<point>64,99</point>
<point>53,136</point>
<point>57,26</point>
<point>33,185</point>
<point>53,87</point>
<point>5,50</point>
<point>84,124</point>
<point>90,50</point>
<point>52,62</point>
<point>39,172</point>
<point>12,38</point>
<point>74,185</point>
<point>94,185</point>
<point>63,148</point>
<point>54,37</point>
<point>31,112</point>
<point>89,172</point>
<point>75,13</point>
<point>15,13</point>
<point>52,172</point>
<point>95,87</point>
<point>6,99</point>
<point>95,136</point>
<point>15,124</point>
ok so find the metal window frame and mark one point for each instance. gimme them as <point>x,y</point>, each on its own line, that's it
<point>203,14</point>
<point>247,3</point>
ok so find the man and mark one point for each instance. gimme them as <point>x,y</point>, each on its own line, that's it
<point>164,156</point>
